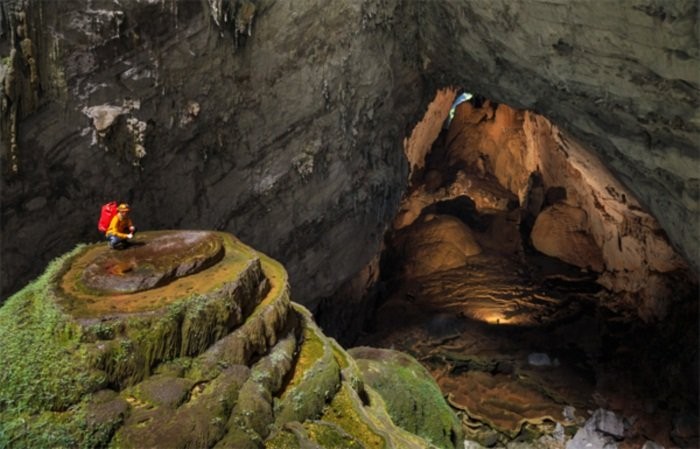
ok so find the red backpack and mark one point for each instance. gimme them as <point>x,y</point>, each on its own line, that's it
<point>108,212</point>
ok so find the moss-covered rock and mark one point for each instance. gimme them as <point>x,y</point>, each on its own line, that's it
<point>315,379</point>
<point>44,366</point>
<point>413,399</point>
<point>162,391</point>
<point>219,357</point>
<point>294,435</point>
<point>251,417</point>
<point>198,422</point>
<point>127,335</point>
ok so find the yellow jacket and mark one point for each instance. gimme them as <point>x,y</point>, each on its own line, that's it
<point>119,227</point>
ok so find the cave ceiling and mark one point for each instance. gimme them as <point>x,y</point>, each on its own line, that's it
<point>283,123</point>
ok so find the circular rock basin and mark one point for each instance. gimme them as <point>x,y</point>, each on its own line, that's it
<point>152,261</point>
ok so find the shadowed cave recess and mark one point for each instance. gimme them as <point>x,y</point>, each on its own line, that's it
<point>534,247</point>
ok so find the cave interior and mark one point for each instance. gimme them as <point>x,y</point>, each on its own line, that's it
<point>543,271</point>
<point>511,273</point>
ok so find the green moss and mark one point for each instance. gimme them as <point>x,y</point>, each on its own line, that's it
<point>43,366</point>
<point>53,366</point>
<point>317,434</point>
<point>413,399</point>
<point>199,422</point>
<point>161,390</point>
<point>283,439</point>
<point>311,351</point>
<point>99,331</point>
<point>340,356</point>
<point>75,428</point>
<point>341,412</point>
<point>330,436</point>
<point>175,368</point>
<point>316,376</point>
<point>185,328</point>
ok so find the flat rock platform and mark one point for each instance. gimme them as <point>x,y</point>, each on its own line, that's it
<point>158,268</point>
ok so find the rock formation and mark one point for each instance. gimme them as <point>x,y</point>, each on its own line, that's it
<point>437,244</point>
<point>561,231</point>
<point>498,163</point>
<point>622,79</point>
<point>271,129</point>
<point>250,117</point>
<point>216,357</point>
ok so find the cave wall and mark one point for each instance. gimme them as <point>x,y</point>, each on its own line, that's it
<point>573,207</point>
<point>283,122</point>
<point>620,76</point>
<point>247,117</point>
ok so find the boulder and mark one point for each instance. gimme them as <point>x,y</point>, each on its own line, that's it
<point>438,243</point>
<point>418,406</point>
<point>561,231</point>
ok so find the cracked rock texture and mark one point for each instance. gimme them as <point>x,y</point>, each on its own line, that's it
<point>283,122</point>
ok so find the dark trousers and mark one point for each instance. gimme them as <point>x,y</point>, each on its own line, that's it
<point>115,242</point>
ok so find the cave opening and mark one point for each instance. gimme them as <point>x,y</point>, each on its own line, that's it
<point>533,285</point>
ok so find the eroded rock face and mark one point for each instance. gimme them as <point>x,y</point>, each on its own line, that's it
<point>265,125</point>
<point>438,243</point>
<point>571,206</point>
<point>631,96</point>
<point>560,231</point>
<point>253,118</point>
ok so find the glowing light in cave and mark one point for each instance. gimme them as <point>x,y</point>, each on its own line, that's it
<point>497,318</point>
<point>466,96</point>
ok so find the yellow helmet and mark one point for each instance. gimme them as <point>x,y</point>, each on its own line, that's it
<point>123,207</point>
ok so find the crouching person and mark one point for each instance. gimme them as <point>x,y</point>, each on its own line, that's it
<point>120,229</point>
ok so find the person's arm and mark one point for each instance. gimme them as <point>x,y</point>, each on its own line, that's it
<point>113,228</point>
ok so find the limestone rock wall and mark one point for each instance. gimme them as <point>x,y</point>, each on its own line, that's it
<point>266,125</point>
<point>283,122</point>
<point>621,76</point>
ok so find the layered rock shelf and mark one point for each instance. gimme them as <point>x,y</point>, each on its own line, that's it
<point>165,257</point>
<point>188,339</point>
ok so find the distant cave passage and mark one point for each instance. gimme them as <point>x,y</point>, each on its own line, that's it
<point>522,273</point>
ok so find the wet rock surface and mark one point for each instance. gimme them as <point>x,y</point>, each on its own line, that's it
<point>152,260</point>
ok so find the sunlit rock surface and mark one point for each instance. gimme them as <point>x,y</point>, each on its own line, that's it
<point>438,243</point>
<point>623,79</point>
<point>216,356</point>
<point>498,163</point>
<point>560,231</point>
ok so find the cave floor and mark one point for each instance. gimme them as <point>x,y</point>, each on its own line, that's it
<point>518,345</point>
